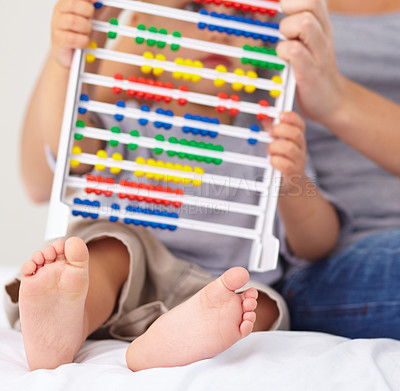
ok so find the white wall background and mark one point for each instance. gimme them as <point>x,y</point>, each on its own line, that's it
<point>24,43</point>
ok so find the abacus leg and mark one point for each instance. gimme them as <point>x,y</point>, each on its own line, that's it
<point>205,325</point>
<point>60,305</point>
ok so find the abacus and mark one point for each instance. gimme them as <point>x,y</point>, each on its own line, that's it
<point>156,195</point>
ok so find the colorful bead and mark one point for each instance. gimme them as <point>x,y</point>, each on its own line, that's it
<point>113,34</point>
<point>117,157</point>
<point>276,93</point>
<point>102,155</point>
<point>76,150</point>
<point>90,58</point>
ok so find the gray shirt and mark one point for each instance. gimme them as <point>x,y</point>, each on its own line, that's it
<point>368,52</point>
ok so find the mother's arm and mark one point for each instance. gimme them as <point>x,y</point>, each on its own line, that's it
<point>363,119</point>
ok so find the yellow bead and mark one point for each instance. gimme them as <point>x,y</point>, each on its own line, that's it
<point>250,89</point>
<point>103,155</point>
<point>118,157</point>
<point>158,71</point>
<point>187,76</point>
<point>221,68</point>
<point>188,63</point>
<point>140,160</point>
<point>196,78</point>
<point>178,167</point>
<point>179,61</point>
<point>177,75</point>
<point>219,82</point>
<point>148,55</point>
<point>198,170</point>
<point>239,72</point>
<point>139,174</point>
<point>91,57</point>
<point>197,183</point>
<point>237,86</point>
<point>160,57</point>
<point>76,150</point>
<point>146,69</point>
<point>275,93</point>
<point>198,64</point>
<point>151,162</point>
<point>150,175</point>
<point>277,79</point>
<point>252,74</point>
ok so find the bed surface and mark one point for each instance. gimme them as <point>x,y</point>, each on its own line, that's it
<point>264,361</point>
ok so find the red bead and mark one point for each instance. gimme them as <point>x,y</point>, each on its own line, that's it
<point>235,98</point>
<point>221,109</point>
<point>222,95</point>
<point>182,101</point>
<point>233,112</point>
<point>263,103</point>
<point>261,117</point>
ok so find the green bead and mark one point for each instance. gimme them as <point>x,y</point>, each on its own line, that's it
<point>151,42</point>
<point>163,31</point>
<point>134,133</point>
<point>139,40</point>
<point>219,148</point>
<point>115,129</point>
<point>113,143</point>
<point>182,155</point>
<point>175,47</point>
<point>208,160</point>
<point>173,140</point>
<point>193,143</point>
<point>141,27</point>
<point>161,44</point>
<point>183,141</point>
<point>112,34</point>
<point>80,124</point>
<point>217,162</point>
<point>171,153</point>
<point>132,147</point>
<point>202,145</point>
<point>158,151</point>
<point>177,34</point>
<point>160,137</point>
<point>279,67</point>
<point>153,29</point>
<point>78,136</point>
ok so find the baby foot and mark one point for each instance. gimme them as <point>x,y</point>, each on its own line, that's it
<point>52,297</point>
<point>202,327</point>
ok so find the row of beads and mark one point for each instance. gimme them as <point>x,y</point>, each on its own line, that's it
<point>131,184</point>
<point>237,32</point>
<point>241,7</point>
<point>132,209</point>
<point>152,42</point>
<point>168,178</point>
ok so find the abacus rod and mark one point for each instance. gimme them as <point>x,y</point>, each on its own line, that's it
<point>193,97</point>
<point>196,225</point>
<point>191,17</point>
<point>206,73</point>
<point>195,44</point>
<point>204,202</point>
<point>226,130</point>
<point>235,183</point>
<point>147,142</point>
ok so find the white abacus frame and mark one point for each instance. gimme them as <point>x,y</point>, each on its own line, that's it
<point>265,246</point>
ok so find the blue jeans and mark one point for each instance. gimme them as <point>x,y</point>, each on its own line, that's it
<point>355,294</point>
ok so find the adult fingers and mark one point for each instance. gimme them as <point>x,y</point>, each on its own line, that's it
<point>317,7</point>
<point>306,28</point>
<point>83,8</point>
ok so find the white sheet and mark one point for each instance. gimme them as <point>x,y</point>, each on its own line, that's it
<point>264,361</point>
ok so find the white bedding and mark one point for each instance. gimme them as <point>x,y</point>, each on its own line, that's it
<point>264,361</point>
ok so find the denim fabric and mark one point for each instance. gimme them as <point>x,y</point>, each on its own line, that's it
<point>355,294</point>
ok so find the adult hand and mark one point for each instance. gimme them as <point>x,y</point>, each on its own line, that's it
<point>310,50</point>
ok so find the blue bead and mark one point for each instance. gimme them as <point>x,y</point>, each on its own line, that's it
<point>96,204</point>
<point>158,124</point>
<point>167,126</point>
<point>98,5</point>
<point>203,11</point>
<point>77,201</point>
<point>170,113</point>
<point>113,219</point>
<point>188,116</point>
<point>201,26</point>
<point>215,121</point>
<point>252,141</point>
<point>145,223</point>
<point>204,132</point>
<point>118,117</point>
<point>145,108</point>
<point>172,227</point>
<point>76,213</point>
<point>82,110</point>
<point>137,222</point>
<point>197,117</point>
<point>254,128</point>
<point>127,221</point>
<point>213,134</point>
<point>84,98</point>
<point>115,206</point>
<point>273,39</point>
<point>196,131</point>
<point>160,111</point>
<point>94,216</point>
<point>186,129</point>
<point>121,103</point>
<point>143,121</point>
<point>212,27</point>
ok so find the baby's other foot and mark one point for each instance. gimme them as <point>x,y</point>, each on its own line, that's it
<point>52,295</point>
<point>202,327</point>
